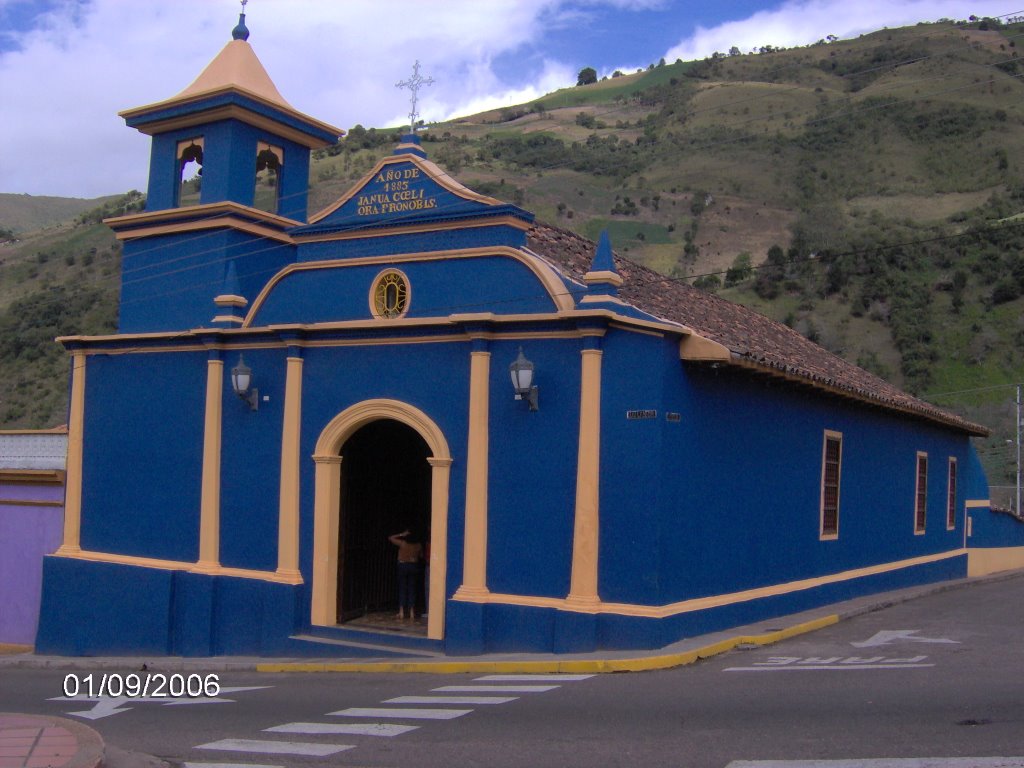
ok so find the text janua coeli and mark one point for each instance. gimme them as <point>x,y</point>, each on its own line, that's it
<point>395,196</point>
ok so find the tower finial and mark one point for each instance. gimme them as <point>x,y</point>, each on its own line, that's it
<point>241,32</point>
<point>414,84</point>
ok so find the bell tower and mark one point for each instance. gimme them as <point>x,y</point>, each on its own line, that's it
<point>228,175</point>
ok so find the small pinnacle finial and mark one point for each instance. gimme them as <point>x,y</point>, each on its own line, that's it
<point>241,32</point>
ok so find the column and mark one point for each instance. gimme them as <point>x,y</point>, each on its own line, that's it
<point>583,583</point>
<point>327,516</point>
<point>288,516</point>
<point>209,505</point>
<point>474,562</point>
<point>76,430</point>
<point>440,469</point>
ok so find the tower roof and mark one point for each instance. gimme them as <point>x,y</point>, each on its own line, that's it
<point>235,78</point>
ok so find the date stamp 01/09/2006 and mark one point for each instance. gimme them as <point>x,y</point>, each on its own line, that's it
<point>146,685</point>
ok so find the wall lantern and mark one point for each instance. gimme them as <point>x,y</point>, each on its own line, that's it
<point>241,382</point>
<point>522,380</point>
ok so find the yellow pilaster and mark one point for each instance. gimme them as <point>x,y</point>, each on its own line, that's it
<point>326,517</point>
<point>583,584</point>
<point>76,429</point>
<point>438,576</point>
<point>474,562</point>
<point>288,517</point>
<point>209,505</point>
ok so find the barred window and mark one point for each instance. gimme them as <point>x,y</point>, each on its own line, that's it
<point>831,464</point>
<point>921,493</point>
<point>951,496</point>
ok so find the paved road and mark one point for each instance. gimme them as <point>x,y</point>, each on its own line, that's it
<point>937,677</point>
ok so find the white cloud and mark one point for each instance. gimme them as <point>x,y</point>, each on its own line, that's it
<point>801,23</point>
<point>337,61</point>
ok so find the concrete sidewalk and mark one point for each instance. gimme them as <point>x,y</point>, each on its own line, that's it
<point>682,652</point>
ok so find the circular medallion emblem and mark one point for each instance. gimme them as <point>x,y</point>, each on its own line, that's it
<point>390,295</point>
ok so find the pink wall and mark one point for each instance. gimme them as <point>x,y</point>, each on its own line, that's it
<point>31,526</point>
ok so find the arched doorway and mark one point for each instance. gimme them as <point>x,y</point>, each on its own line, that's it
<point>327,515</point>
<point>385,489</point>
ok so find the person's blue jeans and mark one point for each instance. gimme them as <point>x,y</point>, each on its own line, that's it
<point>408,581</point>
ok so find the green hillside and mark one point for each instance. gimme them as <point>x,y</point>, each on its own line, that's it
<point>863,191</point>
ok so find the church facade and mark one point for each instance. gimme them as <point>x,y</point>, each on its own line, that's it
<point>598,457</point>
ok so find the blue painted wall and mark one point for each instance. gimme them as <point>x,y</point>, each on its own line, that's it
<point>498,284</point>
<point>169,282</point>
<point>144,454</point>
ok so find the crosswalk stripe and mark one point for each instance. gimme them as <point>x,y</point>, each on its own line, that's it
<point>496,688</point>
<point>353,729</point>
<point>229,765</point>
<point>399,713</point>
<point>277,747</point>
<point>450,699</point>
<point>532,678</point>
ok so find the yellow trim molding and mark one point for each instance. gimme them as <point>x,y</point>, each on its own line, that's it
<point>222,208</point>
<point>327,504</point>
<point>172,565</point>
<point>230,300</point>
<point>222,222</point>
<point>232,112</point>
<point>603,276</point>
<point>32,476</point>
<point>698,348</point>
<point>288,516</point>
<point>714,601</point>
<point>209,505</point>
<point>29,503</point>
<point>554,287</point>
<point>583,584</point>
<point>76,428</point>
<point>430,170</point>
<point>474,557</point>
<point>411,229</point>
<point>978,503</point>
<point>983,560</point>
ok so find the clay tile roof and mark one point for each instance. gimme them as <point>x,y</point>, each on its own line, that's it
<point>753,339</point>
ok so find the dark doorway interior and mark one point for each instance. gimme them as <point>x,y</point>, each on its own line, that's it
<point>385,489</point>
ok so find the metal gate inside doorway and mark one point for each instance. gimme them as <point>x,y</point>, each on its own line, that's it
<point>385,489</point>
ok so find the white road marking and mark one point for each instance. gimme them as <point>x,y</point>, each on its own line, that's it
<point>229,765</point>
<point>537,678</point>
<point>106,706</point>
<point>277,747</point>
<point>398,712</point>
<point>354,729</point>
<point>899,635</point>
<point>496,688</point>
<point>827,666</point>
<point>450,699</point>
<point>888,762</point>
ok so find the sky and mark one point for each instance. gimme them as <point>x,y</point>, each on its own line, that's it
<point>67,67</point>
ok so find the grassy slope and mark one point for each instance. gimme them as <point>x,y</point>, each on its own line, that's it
<point>832,141</point>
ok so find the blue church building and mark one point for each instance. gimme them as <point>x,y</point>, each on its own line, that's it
<point>599,457</point>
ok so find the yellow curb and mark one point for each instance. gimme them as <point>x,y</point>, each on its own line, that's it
<point>640,664</point>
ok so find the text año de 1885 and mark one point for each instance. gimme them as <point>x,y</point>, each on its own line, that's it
<point>395,195</point>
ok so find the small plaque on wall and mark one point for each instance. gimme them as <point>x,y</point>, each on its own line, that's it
<point>673,417</point>
<point>633,415</point>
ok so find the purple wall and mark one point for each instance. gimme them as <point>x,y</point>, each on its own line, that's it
<point>31,525</point>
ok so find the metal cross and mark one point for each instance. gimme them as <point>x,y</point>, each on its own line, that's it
<point>414,83</point>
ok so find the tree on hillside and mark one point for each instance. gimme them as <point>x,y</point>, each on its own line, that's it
<point>587,76</point>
